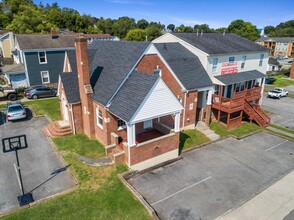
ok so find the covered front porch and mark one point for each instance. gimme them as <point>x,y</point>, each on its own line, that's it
<point>232,93</point>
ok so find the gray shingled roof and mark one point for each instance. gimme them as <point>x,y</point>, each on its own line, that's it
<point>240,77</point>
<point>131,95</point>
<point>185,65</point>
<point>71,54</point>
<point>71,86</point>
<point>14,68</point>
<point>44,41</point>
<point>110,62</point>
<point>216,43</point>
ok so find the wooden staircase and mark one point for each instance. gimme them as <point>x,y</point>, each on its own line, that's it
<point>57,129</point>
<point>256,113</point>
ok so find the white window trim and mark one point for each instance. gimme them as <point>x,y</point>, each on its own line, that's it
<point>45,57</point>
<point>97,119</point>
<point>45,71</point>
<point>119,128</point>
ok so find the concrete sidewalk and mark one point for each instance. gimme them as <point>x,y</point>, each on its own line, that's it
<point>280,131</point>
<point>274,203</point>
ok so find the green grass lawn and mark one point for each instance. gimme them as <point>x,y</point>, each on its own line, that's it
<point>191,138</point>
<point>245,128</point>
<point>50,107</point>
<point>100,195</point>
<point>282,82</point>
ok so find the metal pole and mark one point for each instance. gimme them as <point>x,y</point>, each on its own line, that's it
<point>19,173</point>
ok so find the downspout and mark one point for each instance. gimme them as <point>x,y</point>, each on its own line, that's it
<point>184,112</point>
<point>72,120</point>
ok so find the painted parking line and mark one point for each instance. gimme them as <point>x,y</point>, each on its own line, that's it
<point>188,187</point>
<point>277,145</point>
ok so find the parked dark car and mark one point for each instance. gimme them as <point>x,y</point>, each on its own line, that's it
<point>40,92</point>
<point>270,80</point>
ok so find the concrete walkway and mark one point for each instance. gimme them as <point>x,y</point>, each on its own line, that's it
<point>280,131</point>
<point>274,203</point>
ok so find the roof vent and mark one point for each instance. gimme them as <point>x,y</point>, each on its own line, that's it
<point>197,32</point>
<point>201,33</point>
<point>224,33</point>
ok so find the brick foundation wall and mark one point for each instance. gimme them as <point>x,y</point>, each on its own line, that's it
<point>153,149</point>
<point>147,65</point>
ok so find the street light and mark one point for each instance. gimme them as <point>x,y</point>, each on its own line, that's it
<point>14,144</point>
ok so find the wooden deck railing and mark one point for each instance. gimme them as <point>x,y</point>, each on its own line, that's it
<point>227,104</point>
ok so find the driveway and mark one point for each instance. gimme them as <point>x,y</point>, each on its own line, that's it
<point>38,163</point>
<point>281,110</point>
<point>221,176</point>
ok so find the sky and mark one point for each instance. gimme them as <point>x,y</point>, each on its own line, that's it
<point>215,13</point>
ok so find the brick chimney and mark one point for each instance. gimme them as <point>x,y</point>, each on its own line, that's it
<point>292,70</point>
<point>53,33</point>
<point>85,88</point>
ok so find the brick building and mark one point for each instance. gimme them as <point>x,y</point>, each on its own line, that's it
<point>102,94</point>
<point>279,46</point>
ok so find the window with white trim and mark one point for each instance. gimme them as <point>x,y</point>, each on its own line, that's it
<point>243,62</point>
<point>45,77</point>
<point>42,57</point>
<point>261,59</point>
<point>231,59</point>
<point>216,89</point>
<point>214,65</point>
<point>99,118</point>
<point>121,124</point>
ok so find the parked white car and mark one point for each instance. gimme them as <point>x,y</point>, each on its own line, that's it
<point>277,93</point>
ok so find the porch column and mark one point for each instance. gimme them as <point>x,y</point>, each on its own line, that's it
<point>209,97</point>
<point>131,135</point>
<point>177,122</point>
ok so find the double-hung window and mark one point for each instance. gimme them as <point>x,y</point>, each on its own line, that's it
<point>243,62</point>
<point>214,65</point>
<point>45,77</point>
<point>99,118</point>
<point>261,59</point>
<point>42,57</point>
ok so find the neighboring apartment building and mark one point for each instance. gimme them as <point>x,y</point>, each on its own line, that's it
<point>237,68</point>
<point>6,44</point>
<point>102,94</point>
<point>282,46</point>
<point>42,56</point>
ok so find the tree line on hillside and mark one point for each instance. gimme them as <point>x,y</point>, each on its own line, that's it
<point>284,29</point>
<point>25,17</point>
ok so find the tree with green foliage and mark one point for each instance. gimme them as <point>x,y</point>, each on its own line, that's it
<point>136,35</point>
<point>244,29</point>
<point>203,27</point>
<point>269,29</point>
<point>142,24</point>
<point>171,27</point>
<point>221,30</point>
<point>122,26</point>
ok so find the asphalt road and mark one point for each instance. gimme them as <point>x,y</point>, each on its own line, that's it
<point>221,176</point>
<point>38,163</point>
<point>282,111</point>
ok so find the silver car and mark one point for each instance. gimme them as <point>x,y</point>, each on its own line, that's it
<point>15,111</point>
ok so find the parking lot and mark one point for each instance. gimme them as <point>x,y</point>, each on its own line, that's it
<point>281,110</point>
<point>221,176</point>
<point>42,172</point>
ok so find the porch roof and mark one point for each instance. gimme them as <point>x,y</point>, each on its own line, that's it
<point>240,77</point>
<point>14,68</point>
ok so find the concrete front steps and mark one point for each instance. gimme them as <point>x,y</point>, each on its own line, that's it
<point>57,129</point>
<point>201,126</point>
